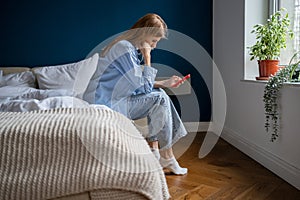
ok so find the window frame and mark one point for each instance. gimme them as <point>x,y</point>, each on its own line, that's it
<point>274,5</point>
<point>292,44</point>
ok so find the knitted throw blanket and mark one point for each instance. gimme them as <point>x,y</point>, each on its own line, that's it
<point>53,153</point>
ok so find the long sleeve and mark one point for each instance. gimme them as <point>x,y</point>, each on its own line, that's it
<point>120,75</point>
<point>127,63</point>
<point>149,74</point>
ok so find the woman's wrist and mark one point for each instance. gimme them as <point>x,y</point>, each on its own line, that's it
<point>147,60</point>
<point>159,84</point>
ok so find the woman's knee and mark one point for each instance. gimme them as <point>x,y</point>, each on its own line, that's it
<point>162,96</point>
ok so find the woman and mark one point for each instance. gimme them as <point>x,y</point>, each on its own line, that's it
<point>130,88</point>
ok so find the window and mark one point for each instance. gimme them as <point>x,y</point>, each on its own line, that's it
<point>293,9</point>
<point>296,26</point>
<point>261,8</point>
<point>256,12</point>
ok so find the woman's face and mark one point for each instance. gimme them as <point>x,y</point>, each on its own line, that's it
<point>152,41</point>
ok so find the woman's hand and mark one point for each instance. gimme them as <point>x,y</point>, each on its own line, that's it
<point>168,83</point>
<point>172,81</point>
<point>146,50</point>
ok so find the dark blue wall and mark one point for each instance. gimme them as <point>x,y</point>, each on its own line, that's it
<point>38,32</point>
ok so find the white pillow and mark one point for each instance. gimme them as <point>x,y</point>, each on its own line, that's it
<point>74,76</point>
<point>21,79</point>
<point>1,78</point>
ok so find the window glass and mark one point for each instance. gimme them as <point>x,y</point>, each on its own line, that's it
<point>256,12</point>
<point>293,45</point>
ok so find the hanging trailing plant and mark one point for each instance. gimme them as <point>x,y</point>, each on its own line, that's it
<point>271,93</point>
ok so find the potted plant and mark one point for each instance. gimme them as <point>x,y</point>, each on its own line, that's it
<point>271,38</point>
<point>272,90</point>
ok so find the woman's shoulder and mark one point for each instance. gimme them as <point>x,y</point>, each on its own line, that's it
<point>122,47</point>
<point>124,44</point>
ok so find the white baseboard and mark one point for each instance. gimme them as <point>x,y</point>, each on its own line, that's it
<point>283,169</point>
<point>191,127</point>
<point>196,126</point>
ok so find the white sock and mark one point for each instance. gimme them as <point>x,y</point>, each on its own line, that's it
<point>156,153</point>
<point>172,165</point>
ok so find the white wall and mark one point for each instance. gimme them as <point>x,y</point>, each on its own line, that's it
<point>244,125</point>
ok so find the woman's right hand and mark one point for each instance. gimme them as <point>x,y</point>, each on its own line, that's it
<point>168,83</point>
<point>146,50</point>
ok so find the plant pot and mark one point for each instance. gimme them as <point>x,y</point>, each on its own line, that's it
<point>267,68</point>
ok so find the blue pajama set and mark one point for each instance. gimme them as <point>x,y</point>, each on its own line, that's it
<point>126,86</point>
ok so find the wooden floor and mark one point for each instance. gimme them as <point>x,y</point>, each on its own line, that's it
<point>226,173</point>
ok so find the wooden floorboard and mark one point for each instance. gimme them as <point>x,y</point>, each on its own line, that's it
<point>226,173</point>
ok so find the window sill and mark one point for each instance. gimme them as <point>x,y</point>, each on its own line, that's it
<point>289,84</point>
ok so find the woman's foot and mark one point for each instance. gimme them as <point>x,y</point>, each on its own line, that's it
<point>172,165</point>
<point>155,152</point>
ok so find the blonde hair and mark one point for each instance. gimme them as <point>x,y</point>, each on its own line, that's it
<point>150,24</point>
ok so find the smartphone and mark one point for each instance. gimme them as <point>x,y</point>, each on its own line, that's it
<point>183,79</point>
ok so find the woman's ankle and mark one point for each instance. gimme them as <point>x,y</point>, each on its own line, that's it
<point>153,144</point>
<point>156,153</point>
<point>167,153</point>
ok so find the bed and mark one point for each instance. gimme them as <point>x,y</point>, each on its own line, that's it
<point>56,145</point>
